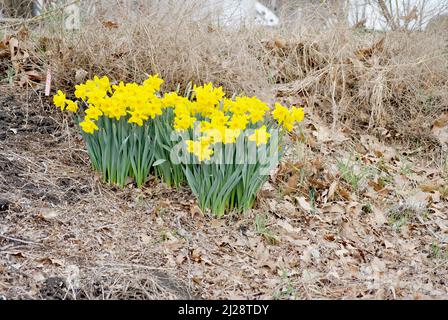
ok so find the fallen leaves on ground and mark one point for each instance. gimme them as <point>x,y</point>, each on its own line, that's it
<point>81,239</point>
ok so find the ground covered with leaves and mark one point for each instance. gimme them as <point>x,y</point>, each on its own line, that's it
<point>345,216</point>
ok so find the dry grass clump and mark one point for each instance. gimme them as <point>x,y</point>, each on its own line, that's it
<point>16,8</point>
<point>148,40</point>
<point>393,84</point>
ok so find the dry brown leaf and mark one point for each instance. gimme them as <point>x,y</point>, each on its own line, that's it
<point>429,187</point>
<point>420,197</point>
<point>172,243</point>
<point>291,185</point>
<point>196,255</point>
<point>318,184</point>
<point>288,227</point>
<point>4,50</point>
<point>442,224</point>
<point>264,258</point>
<point>47,214</point>
<point>35,76</point>
<point>280,43</point>
<point>23,33</point>
<point>180,259</point>
<point>436,197</point>
<point>359,148</point>
<point>17,54</point>
<point>283,207</point>
<point>366,53</point>
<point>304,204</point>
<point>51,261</point>
<point>376,186</point>
<point>379,216</point>
<point>349,232</point>
<point>325,134</point>
<point>372,144</point>
<point>317,164</point>
<point>13,47</point>
<point>80,75</point>
<point>19,254</point>
<point>217,223</point>
<point>332,190</point>
<point>297,242</point>
<point>195,211</point>
<point>333,208</point>
<point>111,25</point>
<point>441,122</point>
<point>345,194</point>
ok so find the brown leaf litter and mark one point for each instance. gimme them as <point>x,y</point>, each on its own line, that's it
<point>65,235</point>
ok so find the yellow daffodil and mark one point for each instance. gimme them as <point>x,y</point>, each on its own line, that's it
<point>153,83</point>
<point>88,126</point>
<point>240,107</point>
<point>261,136</point>
<point>238,122</point>
<point>171,99</point>
<point>218,119</point>
<point>280,113</point>
<point>206,140</point>
<point>256,115</point>
<point>288,123</point>
<point>81,91</point>
<point>231,135</point>
<point>200,149</point>
<point>287,118</point>
<point>137,117</point>
<point>213,134</point>
<point>298,114</point>
<point>228,105</point>
<point>72,106</point>
<point>93,113</point>
<point>59,100</point>
<point>207,99</point>
<point>131,125</point>
<point>184,123</point>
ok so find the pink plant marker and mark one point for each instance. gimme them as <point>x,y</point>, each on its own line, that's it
<point>48,84</point>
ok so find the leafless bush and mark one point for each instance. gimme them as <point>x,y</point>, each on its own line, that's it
<point>16,8</point>
<point>393,83</point>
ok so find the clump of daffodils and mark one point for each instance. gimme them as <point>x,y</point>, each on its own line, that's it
<point>131,131</point>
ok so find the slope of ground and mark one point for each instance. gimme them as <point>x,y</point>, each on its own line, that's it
<point>343,217</point>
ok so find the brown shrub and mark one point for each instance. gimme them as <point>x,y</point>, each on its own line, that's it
<point>395,82</point>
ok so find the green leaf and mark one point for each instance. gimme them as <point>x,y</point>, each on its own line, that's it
<point>159,162</point>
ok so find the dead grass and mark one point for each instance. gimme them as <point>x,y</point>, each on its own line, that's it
<point>393,84</point>
<point>168,43</point>
<point>65,235</point>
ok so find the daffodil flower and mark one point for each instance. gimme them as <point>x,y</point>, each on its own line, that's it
<point>59,100</point>
<point>88,126</point>
<point>298,114</point>
<point>261,136</point>
<point>93,113</point>
<point>72,106</point>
